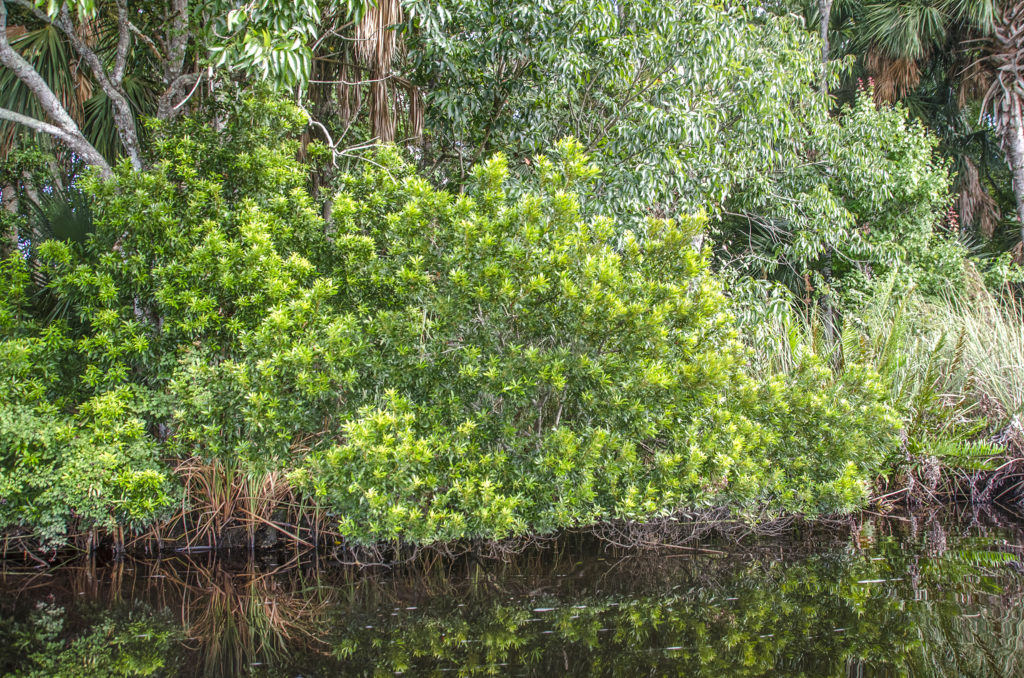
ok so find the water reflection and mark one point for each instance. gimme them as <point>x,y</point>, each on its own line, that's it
<point>904,596</point>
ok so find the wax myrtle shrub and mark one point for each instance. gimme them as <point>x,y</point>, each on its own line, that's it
<point>425,366</point>
<point>91,466</point>
<point>526,369</point>
<point>179,260</point>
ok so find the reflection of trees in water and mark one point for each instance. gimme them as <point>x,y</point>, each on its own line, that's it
<point>885,597</point>
<point>227,618</point>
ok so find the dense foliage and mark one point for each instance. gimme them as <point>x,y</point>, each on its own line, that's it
<point>429,271</point>
<point>430,366</point>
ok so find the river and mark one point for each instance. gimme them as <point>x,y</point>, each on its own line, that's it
<point>914,594</point>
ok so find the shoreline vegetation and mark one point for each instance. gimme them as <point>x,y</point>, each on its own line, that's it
<point>657,281</point>
<point>206,382</point>
<point>298,528</point>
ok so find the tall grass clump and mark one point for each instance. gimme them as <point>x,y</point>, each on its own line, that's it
<point>950,359</point>
<point>953,369</point>
<point>989,335</point>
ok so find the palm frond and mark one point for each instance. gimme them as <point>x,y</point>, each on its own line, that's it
<point>60,214</point>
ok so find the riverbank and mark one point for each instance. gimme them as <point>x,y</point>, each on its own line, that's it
<point>217,364</point>
<point>299,532</point>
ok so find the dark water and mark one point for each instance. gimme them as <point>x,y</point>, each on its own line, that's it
<point>914,595</point>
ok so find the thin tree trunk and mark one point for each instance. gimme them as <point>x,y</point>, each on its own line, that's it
<point>830,316</point>
<point>110,83</point>
<point>825,9</point>
<point>1013,146</point>
<point>828,310</point>
<point>9,196</point>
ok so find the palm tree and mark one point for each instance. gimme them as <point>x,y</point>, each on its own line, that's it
<point>974,49</point>
<point>948,60</point>
<point>1003,60</point>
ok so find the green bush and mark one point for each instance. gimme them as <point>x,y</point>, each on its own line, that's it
<point>527,369</point>
<point>95,467</point>
<point>426,366</point>
<point>867,198</point>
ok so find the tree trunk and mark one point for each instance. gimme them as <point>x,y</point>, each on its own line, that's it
<point>828,311</point>
<point>9,197</point>
<point>179,85</point>
<point>110,82</point>
<point>1003,100</point>
<point>1013,146</point>
<point>825,9</point>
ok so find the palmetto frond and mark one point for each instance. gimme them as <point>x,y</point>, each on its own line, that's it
<point>1005,62</point>
<point>50,56</point>
<point>894,78</point>
<point>60,214</point>
<point>904,30</point>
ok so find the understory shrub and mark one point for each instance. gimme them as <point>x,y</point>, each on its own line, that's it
<point>425,366</point>
<point>950,365</point>
<point>93,467</point>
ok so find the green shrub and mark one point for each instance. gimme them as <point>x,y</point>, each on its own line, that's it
<point>868,197</point>
<point>527,369</point>
<point>427,366</point>
<point>95,467</point>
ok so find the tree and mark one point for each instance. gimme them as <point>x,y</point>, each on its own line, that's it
<point>1002,61</point>
<point>948,58</point>
<point>62,126</point>
<point>174,44</point>
<point>670,94</point>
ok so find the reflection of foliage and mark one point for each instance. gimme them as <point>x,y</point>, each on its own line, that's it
<point>139,642</point>
<point>247,619</point>
<point>809,619</point>
<point>985,642</point>
<point>815,618</point>
<point>898,599</point>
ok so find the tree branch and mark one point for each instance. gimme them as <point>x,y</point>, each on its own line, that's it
<point>35,11</point>
<point>65,127</point>
<point>176,43</point>
<point>124,116</point>
<point>33,124</point>
<point>78,143</point>
<point>146,39</point>
<point>124,37</point>
<point>167,107</point>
